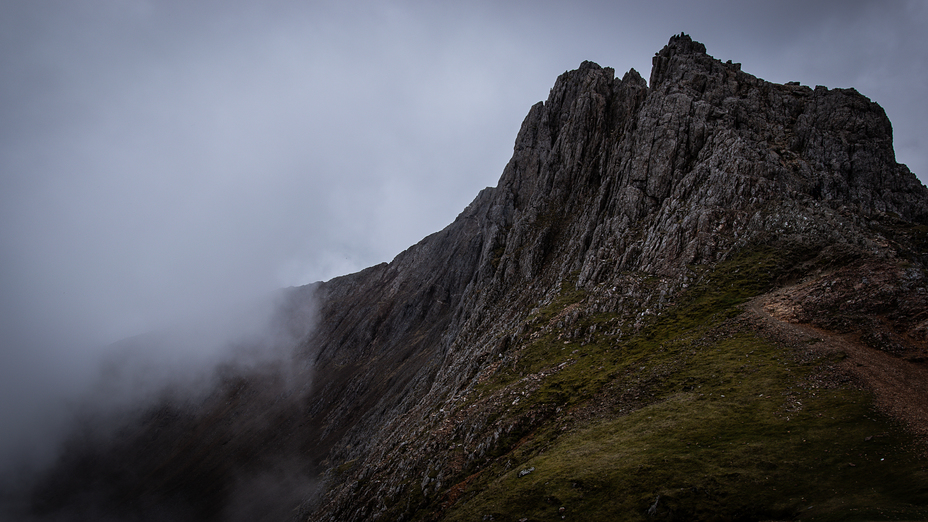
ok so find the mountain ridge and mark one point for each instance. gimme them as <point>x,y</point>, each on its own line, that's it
<point>529,182</point>
<point>630,224</point>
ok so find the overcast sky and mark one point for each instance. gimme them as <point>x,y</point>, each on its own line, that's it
<point>161,158</point>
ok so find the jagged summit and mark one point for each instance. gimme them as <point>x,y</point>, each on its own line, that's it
<point>602,278</point>
<point>707,143</point>
<point>663,61</point>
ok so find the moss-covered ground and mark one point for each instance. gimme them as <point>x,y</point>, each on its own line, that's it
<point>693,418</point>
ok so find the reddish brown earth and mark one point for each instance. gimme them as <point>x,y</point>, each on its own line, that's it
<point>899,384</point>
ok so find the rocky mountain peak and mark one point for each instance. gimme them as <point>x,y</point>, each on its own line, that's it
<point>629,226</point>
<point>680,49</point>
<point>610,178</point>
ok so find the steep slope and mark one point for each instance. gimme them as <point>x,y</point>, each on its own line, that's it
<point>576,342</point>
<point>624,195</point>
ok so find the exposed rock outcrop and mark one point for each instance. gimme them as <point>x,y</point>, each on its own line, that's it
<point>609,177</point>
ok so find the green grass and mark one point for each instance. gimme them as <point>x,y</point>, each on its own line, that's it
<point>710,423</point>
<point>591,366</point>
<point>727,448</point>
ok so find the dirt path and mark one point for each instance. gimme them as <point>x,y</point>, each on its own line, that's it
<point>900,387</point>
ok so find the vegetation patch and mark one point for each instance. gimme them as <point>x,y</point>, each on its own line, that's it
<point>693,418</point>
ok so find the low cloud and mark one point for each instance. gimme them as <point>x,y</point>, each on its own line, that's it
<point>216,383</point>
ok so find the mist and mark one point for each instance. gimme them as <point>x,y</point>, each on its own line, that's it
<point>166,167</point>
<point>215,384</point>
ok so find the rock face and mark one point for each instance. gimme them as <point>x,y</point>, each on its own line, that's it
<point>623,190</point>
<point>609,177</point>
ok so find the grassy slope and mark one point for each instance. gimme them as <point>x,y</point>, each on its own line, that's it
<point>700,412</point>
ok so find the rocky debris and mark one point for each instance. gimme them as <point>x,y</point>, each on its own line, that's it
<point>652,511</point>
<point>897,378</point>
<point>883,302</point>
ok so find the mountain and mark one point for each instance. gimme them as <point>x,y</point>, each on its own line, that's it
<point>698,297</point>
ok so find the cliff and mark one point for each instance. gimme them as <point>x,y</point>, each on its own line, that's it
<point>647,271</point>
